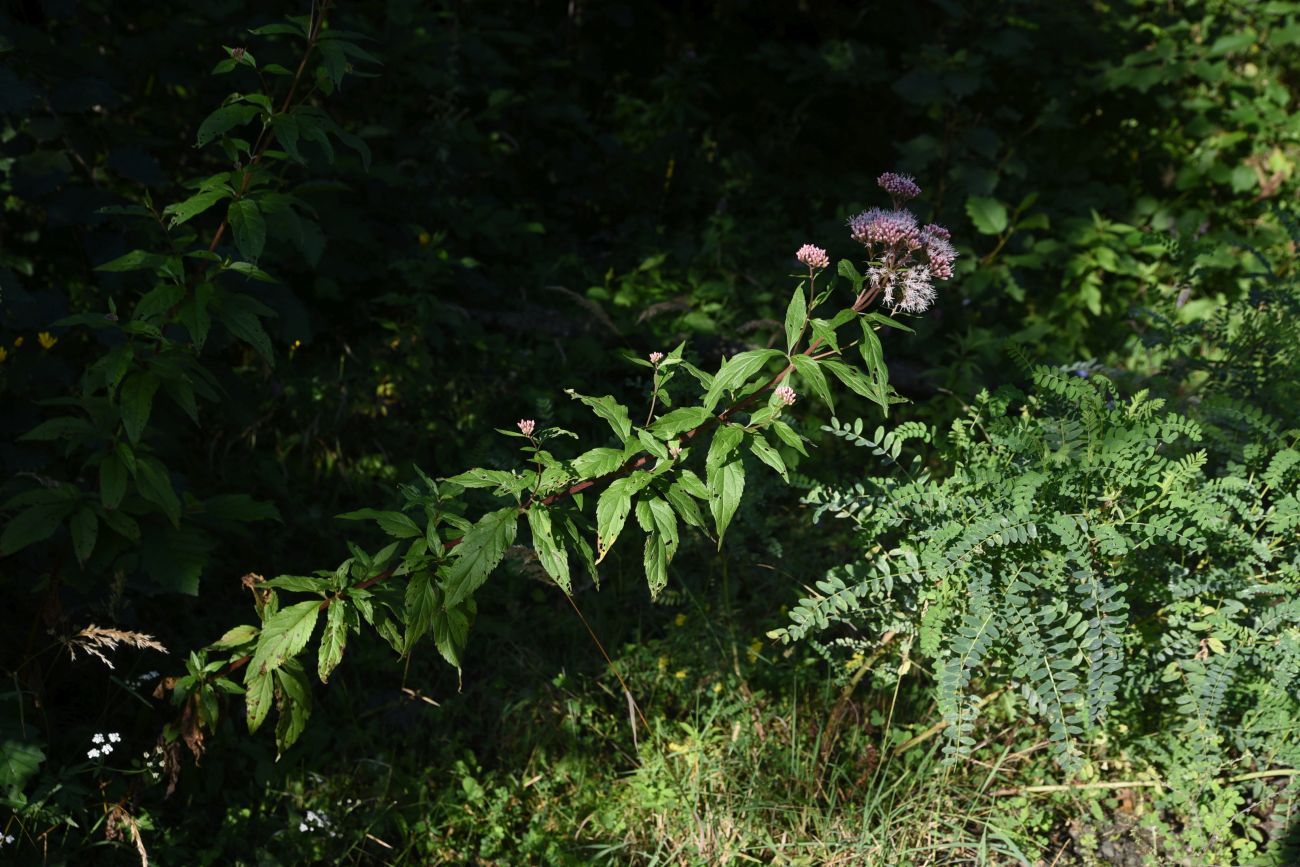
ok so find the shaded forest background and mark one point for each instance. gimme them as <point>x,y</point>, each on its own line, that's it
<point>537,188</point>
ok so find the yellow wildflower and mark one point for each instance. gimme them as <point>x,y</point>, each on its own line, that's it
<point>674,747</point>
<point>424,239</point>
<point>18,341</point>
<point>663,663</point>
<point>47,340</point>
<point>854,662</point>
<point>680,674</point>
<point>754,649</point>
<point>679,620</point>
<point>717,688</point>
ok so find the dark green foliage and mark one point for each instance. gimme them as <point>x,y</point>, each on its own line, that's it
<point>243,302</point>
<point>1104,557</point>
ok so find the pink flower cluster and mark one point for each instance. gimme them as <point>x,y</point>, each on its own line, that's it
<point>901,188</point>
<point>814,257</point>
<point>656,357</point>
<point>786,395</point>
<point>526,426</point>
<point>908,257</point>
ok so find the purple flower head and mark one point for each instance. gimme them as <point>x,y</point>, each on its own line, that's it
<point>526,426</point>
<point>901,188</point>
<point>786,395</point>
<point>814,257</point>
<point>934,230</point>
<point>896,229</point>
<point>940,253</point>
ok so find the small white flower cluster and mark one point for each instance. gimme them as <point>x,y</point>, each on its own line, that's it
<point>315,821</point>
<point>103,745</point>
<point>153,763</point>
<point>7,840</point>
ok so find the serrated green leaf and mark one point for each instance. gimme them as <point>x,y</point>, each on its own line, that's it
<point>85,529</point>
<point>692,485</point>
<point>613,507</point>
<point>423,602</point>
<point>796,313</point>
<point>32,525</point>
<point>726,487</point>
<point>249,227</point>
<point>811,373</point>
<point>679,421</point>
<point>788,436</point>
<point>294,705</point>
<point>396,524</point>
<point>236,637</point>
<point>610,410</point>
<point>137,402</point>
<point>550,550</point>
<point>284,635</point>
<point>259,695</point>
<point>736,372</point>
<point>155,485</point>
<point>451,631</point>
<point>656,563</point>
<point>856,380</point>
<point>334,637</point>
<point>112,481</point>
<point>685,505</point>
<point>184,211</point>
<point>478,553</point>
<point>726,439</point>
<point>598,462</point>
<point>768,455</point>
<point>223,120</point>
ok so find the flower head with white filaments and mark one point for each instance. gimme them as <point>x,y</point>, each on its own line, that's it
<point>906,257</point>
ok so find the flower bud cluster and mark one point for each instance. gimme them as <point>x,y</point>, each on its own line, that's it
<point>907,257</point>
<point>814,257</point>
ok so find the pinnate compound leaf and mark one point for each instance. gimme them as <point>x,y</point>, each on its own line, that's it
<point>479,552</point>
